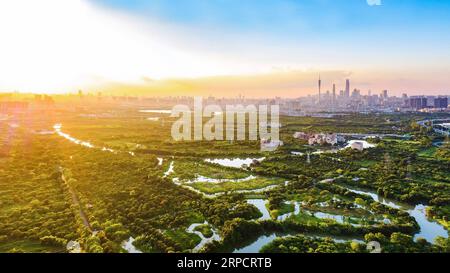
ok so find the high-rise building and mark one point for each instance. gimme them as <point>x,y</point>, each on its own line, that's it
<point>347,88</point>
<point>418,102</point>
<point>385,94</point>
<point>320,85</point>
<point>441,102</point>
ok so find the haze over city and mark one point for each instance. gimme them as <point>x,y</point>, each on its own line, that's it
<point>224,48</point>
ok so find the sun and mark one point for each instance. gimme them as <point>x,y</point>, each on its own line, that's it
<point>58,46</point>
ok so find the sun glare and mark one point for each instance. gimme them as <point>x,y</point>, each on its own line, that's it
<point>58,46</point>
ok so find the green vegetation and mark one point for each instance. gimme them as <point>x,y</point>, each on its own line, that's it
<point>205,230</point>
<point>283,209</point>
<point>253,184</point>
<point>396,243</point>
<point>53,191</point>
<point>184,239</point>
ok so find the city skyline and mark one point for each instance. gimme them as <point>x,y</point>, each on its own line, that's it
<point>221,48</point>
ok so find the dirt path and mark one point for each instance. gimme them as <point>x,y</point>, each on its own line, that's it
<point>76,201</point>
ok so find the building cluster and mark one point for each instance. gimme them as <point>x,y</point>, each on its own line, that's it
<point>427,102</point>
<point>320,138</point>
<point>324,104</point>
<point>348,100</point>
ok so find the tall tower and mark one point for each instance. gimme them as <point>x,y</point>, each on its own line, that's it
<point>320,85</point>
<point>347,88</point>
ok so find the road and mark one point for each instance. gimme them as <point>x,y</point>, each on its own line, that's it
<point>76,202</point>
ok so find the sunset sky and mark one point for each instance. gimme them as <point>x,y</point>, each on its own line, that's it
<point>255,48</point>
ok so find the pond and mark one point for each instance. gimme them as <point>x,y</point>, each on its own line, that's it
<point>234,162</point>
<point>201,178</point>
<point>366,145</point>
<point>129,247</point>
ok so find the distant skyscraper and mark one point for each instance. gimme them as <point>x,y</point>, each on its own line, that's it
<point>385,94</point>
<point>320,85</point>
<point>347,88</point>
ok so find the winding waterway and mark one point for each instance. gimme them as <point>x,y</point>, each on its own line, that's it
<point>215,236</point>
<point>429,230</point>
<point>257,245</point>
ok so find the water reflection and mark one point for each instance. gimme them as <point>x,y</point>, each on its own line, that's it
<point>366,145</point>
<point>58,127</point>
<point>234,162</point>
<point>204,240</point>
<point>129,247</point>
<point>201,178</point>
<point>261,205</point>
<point>257,245</point>
<point>170,170</point>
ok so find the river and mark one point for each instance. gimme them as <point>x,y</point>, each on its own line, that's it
<point>256,246</point>
<point>429,230</point>
<point>204,240</point>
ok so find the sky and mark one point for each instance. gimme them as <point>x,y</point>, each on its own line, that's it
<point>256,48</point>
